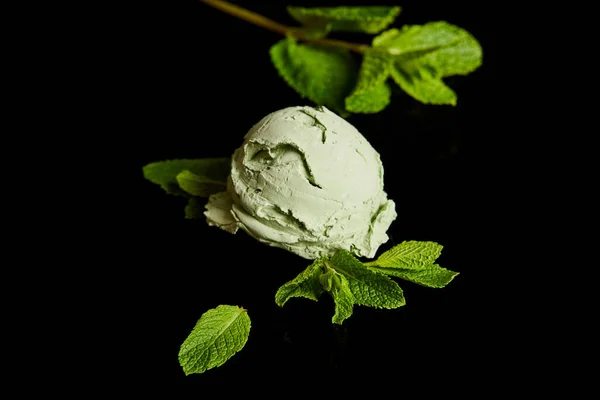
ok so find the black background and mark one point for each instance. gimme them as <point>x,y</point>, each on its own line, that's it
<point>194,81</point>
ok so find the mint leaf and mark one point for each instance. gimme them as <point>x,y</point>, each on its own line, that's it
<point>371,94</point>
<point>307,284</point>
<point>164,173</point>
<point>200,186</point>
<point>374,69</point>
<point>411,254</point>
<point>342,297</point>
<point>368,19</point>
<point>432,276</point>
<point>324,75</point>
<point>369,101</point>
<point>194,209</point>
<point>423,84</point>
<point>449,48</point>
<point>326,278</point>
<point>218,335</point>
<point>414,261</point>
<point>369,288</point>
<point>424,54</point>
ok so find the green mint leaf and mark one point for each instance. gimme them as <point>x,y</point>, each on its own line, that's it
<point>369,288</point>
<point>412,255</point>
<point>194,209</point>
<point>342,297</point>
<point>326,279</point>
<point>200,186</point>
<point>218,335</point>
<point>369,101</point>
<point>423,84</point>
<point>446,47</point>
<point>432,276</point>
<point>424,54</point>
<point>164,173</point>
<point>374,69</point>
<point>371,93</point>
<point>307,284</point>
<point>368,19</point>
<point>324,75</point>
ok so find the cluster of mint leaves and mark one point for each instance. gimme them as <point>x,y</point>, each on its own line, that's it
<point>223,331</point>
<point>415,57</point>
<point>351,282</point>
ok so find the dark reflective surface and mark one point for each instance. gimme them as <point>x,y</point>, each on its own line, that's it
<point>205,78</point>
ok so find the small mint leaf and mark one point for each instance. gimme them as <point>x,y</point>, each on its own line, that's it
<point>422,83</point>
<point>164,173</point>
<point>199,186</point>
<point>218,335</point>
<point>326,279</point>
<point>324,75</point>
<point>432,276</point>
<point>367,19</point>
<point>342,297</point>
<point>411,254</point>
<point>307,284</point>
<point>369,288</point>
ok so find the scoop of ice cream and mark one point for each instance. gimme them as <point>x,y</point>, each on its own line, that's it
<point>307,181</point>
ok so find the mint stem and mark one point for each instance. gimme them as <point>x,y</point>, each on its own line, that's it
<point>264,22</point>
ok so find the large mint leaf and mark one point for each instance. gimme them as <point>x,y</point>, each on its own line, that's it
<point>371,93</point>
<point>324,75</point>
<point>424,54</point>
<point>432,276</point>
<point>368,19</point>
<point>218,335</point>
<point>307,284</point>
<point>369,288</point>
<point>411,254</point>
<point>414,261</point>
<point>165,173</point>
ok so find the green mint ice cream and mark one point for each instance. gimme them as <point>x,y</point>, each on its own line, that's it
<point>307,181</point>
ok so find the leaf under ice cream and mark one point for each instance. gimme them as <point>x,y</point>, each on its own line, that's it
<point>307,181</point>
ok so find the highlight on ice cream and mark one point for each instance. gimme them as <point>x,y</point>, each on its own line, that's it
<point>307,181</point>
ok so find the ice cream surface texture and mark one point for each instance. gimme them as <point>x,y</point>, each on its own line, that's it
<point>307,181</point>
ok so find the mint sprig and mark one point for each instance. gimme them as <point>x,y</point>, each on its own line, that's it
<point>424,54</point>
<point>218,335</point>
<point>416,58</point>
<point>351,282</point>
